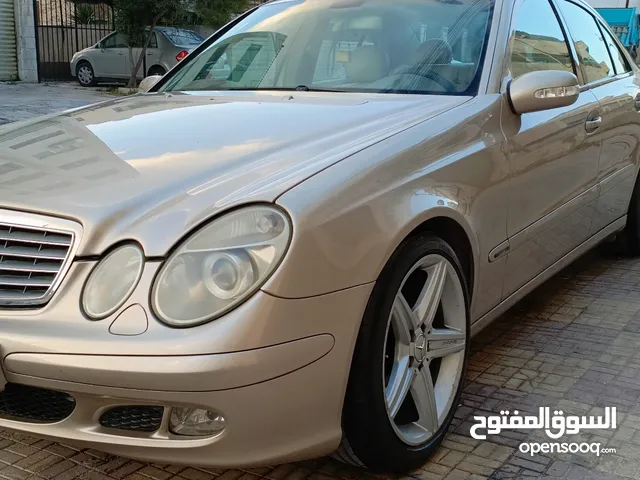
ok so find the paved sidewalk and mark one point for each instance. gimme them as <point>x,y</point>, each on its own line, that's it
<point>21,101</point>
<point>572,345</point>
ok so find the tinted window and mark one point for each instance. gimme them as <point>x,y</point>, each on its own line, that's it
<point>538,43</point>
<point>619,60</point>
<point>115,41</point>
<point>154,41</point>
<point>595,61</point>
<point>181,37</point>
<point>381,46</point>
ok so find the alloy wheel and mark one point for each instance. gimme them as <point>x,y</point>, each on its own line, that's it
<point>85,75</point>
<point>424,349</point>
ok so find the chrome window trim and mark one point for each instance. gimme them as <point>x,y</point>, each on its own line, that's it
<point>50,224</point>
<point>604,81</point>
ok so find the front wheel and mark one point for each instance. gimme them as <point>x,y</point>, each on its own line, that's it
<point>630,240</point>
<point>85,74</point>
<point>409,360</point>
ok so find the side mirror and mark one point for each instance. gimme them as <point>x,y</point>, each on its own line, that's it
<point>101,46</point>
<point>543,90</point>
<point>148,82</point>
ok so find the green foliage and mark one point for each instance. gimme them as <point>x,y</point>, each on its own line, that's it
<point>216,13</point>
<point>84,15</point>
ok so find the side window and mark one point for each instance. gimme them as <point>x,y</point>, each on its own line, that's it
<point>595,61</point>
<point>154,41</point>
<point>538,43</point>
<point>619,61</point>
<point>115,41</point>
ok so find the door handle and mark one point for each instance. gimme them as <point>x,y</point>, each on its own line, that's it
<point>592,124</point>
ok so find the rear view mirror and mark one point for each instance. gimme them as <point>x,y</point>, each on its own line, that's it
<point>543,90</point>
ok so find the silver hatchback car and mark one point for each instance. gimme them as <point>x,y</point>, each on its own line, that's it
<point>108,60</point>
<point>283,248</point>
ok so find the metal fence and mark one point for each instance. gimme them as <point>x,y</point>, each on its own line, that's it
<point>63,28</point>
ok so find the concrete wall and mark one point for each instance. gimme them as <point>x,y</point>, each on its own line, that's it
<point>26,40</point>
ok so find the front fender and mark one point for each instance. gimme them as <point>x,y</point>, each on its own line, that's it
<point>350,218</point>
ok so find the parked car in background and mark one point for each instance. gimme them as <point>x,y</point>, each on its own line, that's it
<point>282,250</point>
<point>108,60</point>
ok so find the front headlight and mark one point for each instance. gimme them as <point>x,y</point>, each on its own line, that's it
<point>112,282</point>
<point>220,266</point>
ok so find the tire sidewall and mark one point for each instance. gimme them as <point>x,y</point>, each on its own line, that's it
<point>367,426</point>
<point>93,75</point>
<point>156,71</point>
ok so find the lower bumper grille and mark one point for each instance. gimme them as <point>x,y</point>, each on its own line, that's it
<point>36,405</point>
<point>137,418</point>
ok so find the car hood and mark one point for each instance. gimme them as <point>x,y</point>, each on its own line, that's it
<point>151,167</point>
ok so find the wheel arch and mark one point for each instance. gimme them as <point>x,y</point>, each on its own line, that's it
<point>156,66</point>
<point>452,232</point>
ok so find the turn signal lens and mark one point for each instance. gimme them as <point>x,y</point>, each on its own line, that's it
<point>556,92</point>
<point>195,422</point>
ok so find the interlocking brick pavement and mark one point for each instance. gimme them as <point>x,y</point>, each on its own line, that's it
<point>572,345</point>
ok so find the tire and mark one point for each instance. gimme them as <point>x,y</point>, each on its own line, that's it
<point>85,75</point>
<point>371,438</point>
<point>157,70</point>
<point>630,240</point>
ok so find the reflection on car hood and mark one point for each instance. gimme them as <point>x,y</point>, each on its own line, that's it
<point>149,168</point>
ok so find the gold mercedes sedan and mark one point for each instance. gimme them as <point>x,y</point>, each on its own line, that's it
<point>281,249</point>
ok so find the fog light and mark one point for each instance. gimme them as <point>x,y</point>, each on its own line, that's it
<point>195,421</point>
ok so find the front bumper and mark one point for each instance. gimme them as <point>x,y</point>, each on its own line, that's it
<point>276,369</point>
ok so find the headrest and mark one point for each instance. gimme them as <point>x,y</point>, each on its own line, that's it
<point>433,51</point>
<point>366,65</point>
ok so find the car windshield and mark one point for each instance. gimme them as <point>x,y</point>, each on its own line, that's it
<point>403,46</point>
<point>182,37</point>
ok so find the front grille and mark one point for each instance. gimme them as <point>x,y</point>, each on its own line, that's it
<point>31,262</point>
<point>37,405</point>
<point>137,418</point>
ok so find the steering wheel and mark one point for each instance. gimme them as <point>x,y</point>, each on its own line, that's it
<point>431,75</point>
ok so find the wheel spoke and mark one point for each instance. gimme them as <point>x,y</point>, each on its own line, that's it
<point>424,396</point>
<point>429,298</point>
<point>399,384</point>
<point>403,319</point>
<point>444,342</point>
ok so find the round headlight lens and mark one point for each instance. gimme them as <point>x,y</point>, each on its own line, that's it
<point>112,282</point>
<point>220,266</point>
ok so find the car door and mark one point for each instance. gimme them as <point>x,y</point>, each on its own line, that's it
<point>553,154</point>
<point>153,54</point>
<point>110,58</point>
<point>607,72</point>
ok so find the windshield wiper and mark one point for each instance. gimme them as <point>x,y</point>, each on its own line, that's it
<point>299,88</point>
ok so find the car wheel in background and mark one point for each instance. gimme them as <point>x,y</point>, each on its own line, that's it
<point>157,70</point>
<point>409,361</point>
<point>85,75</point>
